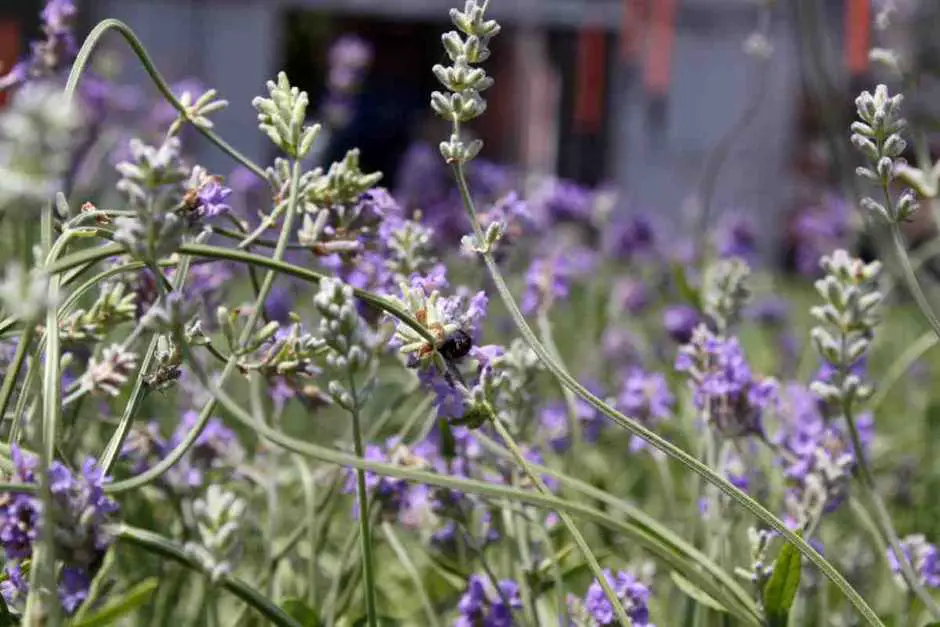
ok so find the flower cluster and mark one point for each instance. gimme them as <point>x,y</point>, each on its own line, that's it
<point>216,452</point>
<point>595,610</point>
<point>463,80</point>
<point>50,56</point>
<point>487,605</point>
<point>80,512</point>
<point>878,137</point>
<point>923,556</point>
<point>645,397</point>
<point>729,396</point>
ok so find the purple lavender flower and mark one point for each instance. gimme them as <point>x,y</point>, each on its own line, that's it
<point>217,449</point>
<point>631,236</point>
<point>736,236</point>
<point>14,585</point>
<point>50,56</point>
<point>213,198</point>
<point>679,322</point>
<point>632,594</point>
<point>645,397</point>
<point>731,398</point>
<point>489,180</point>
<point>923,556</point>
<point>817,456</point>
<point>388,492</point>
<point>630,295</point>
<point>482,605</point>
<point>550,278</point>
<point>561,201</point>
<point>73,588</point>
<point>80,511</point>
<point>817,231</point>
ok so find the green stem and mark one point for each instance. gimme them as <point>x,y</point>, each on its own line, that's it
<point>910,278</point>
<point>901,365</point>
<point>362,496</point>
<point>494,491</point>
<point>9,379</point>
<point>272,264</point>
<point>84,57</point>
<point>637,429</point>
<point>566,520</point>
<point>574,426</point>
<point>138,392</point>
<point>411,570</point>
<point>310,501</point>
<point>48,610</point>
<point>177,453</point>
<point>159,545</point>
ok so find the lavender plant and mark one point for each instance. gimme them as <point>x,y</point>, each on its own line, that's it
<point>304,410</point>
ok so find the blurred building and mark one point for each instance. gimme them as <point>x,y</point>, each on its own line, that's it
<point>637,93</point>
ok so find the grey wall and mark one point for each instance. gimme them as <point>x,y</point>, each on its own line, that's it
<point>232,46</point>
<point>713,83</point>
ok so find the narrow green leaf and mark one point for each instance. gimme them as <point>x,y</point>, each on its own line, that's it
<point>301,612</point>
<point>6,618</point>
<point>448,446</point>
<point>780,591</point>
<point>546,565</point>
<point>695,593</point>
<point>130,601</point>
<point>688,293</point>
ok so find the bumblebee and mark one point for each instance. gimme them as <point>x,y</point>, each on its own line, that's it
<point>456,345</point>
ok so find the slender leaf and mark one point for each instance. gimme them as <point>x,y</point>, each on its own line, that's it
<point>127,603</point>
<point>301,612</point>
<point>780,591</point>
<point>688,293</point>
<point>695,593</point>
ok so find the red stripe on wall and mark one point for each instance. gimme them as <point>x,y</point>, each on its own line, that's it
<point>635,16</point>
<point>590,80</point>
<point>658,67</point>
<point>857,35</point>
<point>10,39</point>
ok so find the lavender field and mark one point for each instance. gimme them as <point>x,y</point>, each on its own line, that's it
<point>305,393</point>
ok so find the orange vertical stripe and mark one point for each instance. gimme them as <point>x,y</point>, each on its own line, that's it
<point>9,48</point>
<point>658,67</point>
<point>857,35</point>
<point>591,70</point>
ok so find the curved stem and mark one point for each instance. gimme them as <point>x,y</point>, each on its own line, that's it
<point>240,256</point>
<point>177,453</point>
<point>362,496</point>
<point>595,567</point>
<point>491,490</point>
<point>411,570</point>
<point>159,545</point>
<point>637,429</point>
<point>901,365</point>
<point>883,517</point>
<point>910,277</point>
<point>43,575</point>
<point>13,370</point>
<point>138,392</point>
<point>84,57</point>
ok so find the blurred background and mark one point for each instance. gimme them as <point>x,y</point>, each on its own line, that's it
<point>741,106</point>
